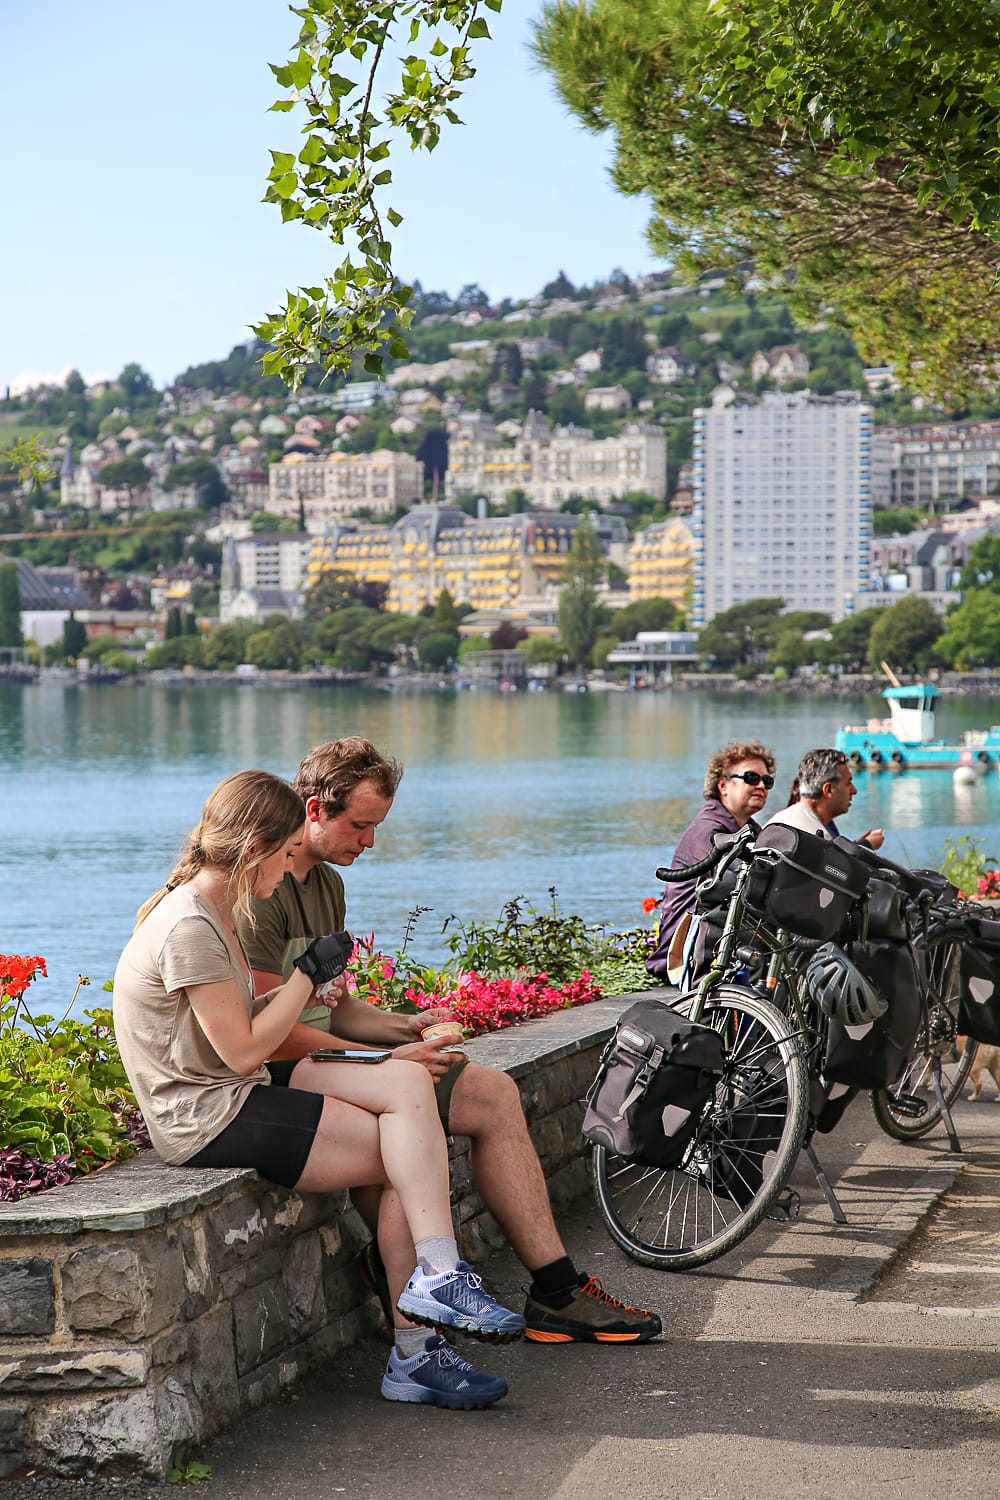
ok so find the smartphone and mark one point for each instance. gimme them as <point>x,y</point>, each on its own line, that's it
<point>350,1054</point>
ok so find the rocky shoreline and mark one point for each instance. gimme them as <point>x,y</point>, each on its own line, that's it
<point>985,684</point>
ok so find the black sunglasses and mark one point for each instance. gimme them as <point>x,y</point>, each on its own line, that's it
<point>752,778</point>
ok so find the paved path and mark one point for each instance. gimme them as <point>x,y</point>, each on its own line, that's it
<point>815,1362</point>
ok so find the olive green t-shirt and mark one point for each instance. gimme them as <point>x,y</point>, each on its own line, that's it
<point>186,1093</point>
<point>287,922</point>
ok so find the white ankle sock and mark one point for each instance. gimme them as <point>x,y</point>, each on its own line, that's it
<point>437,1254</point>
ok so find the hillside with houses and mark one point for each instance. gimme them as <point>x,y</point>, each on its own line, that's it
<point>477,469</point>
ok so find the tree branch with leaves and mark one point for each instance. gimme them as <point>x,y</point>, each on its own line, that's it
<point>849,151</point>
<point>336,182</point>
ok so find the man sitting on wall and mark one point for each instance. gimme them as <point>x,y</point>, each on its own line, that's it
<point>348,788</point>
<point>737,781</point>
<point>823,791</point>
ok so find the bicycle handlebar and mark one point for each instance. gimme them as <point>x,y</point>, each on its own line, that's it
<point>722,844</point>
<point>688,872</point>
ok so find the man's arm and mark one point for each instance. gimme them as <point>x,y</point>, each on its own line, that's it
<point>356,1022</point>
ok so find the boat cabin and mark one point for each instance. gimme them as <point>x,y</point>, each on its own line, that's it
<point>911,712</point>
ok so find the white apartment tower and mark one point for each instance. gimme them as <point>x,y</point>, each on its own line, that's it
<point>782,502</point>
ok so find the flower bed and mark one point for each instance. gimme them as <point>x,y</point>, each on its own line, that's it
<point>492,1004</point>
<point>66,1107</point>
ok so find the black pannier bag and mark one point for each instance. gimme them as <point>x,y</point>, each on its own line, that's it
<point>873,1056</point>
<point>979,1005</point>
<point>656,1075</point>
<point>814,882</point>
<point>934,884</point>
<point>886,911</point>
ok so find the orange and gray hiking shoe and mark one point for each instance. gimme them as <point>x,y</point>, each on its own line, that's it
<point>592,1317</point>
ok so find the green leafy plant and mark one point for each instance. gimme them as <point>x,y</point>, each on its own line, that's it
<point>522,938</point>
<point>192,1472</point>
<point>388,979</point>
<point>619,963</point>
<point>963,862</point>
<point>66,1106</point>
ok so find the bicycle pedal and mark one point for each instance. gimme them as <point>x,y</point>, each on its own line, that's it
<point>908,1105</point>
<point>785,1208</point>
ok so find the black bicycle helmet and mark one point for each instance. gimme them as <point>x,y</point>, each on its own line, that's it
<point>840,989</point>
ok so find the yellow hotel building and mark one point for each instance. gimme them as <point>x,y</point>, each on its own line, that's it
<point>490,564</point>
<point>661,562</point>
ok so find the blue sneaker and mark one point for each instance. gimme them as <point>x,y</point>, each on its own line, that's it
<point>437,1376</point>
<point>455,1299</point>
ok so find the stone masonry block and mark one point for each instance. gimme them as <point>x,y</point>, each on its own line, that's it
<point>293,1213</point>
<point>548,1091</point>
<point>264,1267</point>
<point>302,1274</point>
<point>172,1347</point>
<point>90,1369</point>
<point>339,1333</point>
<point>341,1237</point>
<point>569,1182</point>
<point>260,1323</point>
<point>269,1380</point>
<point>13,1439</point>
<point>237,1231</point>
<point>480,1238</point>
<point>27,1296</point>
<point>213,1369</point>
<point>343,1287</point>
<point>129,1290</point>
<point>112,1434</point>
<point>200,1285</point>
<point>548,1139</point>
<point>331,1241</point>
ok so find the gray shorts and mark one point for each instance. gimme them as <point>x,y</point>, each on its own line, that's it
<point>445,1087</point>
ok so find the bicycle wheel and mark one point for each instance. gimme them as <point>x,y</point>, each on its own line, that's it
<point>737,1163</point>
<point>896,1108</point>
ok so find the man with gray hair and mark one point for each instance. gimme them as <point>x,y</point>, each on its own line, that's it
<point>823,791</point>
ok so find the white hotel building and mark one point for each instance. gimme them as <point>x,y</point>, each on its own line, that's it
<point>782,502</point>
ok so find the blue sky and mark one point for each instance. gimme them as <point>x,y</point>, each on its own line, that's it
<point>136,155</point>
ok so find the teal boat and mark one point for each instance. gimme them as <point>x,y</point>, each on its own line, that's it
<point>905,741</point>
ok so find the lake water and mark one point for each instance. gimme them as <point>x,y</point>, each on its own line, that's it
<point>503,796</point>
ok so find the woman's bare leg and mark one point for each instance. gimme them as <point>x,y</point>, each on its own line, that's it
<point>399,1097</point>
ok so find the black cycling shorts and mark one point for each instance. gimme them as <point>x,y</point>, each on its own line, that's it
<point>274,1130</point>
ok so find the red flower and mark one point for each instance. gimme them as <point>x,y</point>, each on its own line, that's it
<point>649,903</point>
<point>17,972</point>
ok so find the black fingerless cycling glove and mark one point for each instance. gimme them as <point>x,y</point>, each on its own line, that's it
<point>326,958</point>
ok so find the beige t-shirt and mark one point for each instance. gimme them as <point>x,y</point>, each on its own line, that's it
<point>187,1094</point>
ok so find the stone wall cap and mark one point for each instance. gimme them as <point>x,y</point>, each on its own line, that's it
<point>133,1194</point>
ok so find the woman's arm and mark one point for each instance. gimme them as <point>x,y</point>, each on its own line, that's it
<point>243,1043</point>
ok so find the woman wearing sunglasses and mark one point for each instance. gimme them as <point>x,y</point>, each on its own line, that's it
<point>737,781</point>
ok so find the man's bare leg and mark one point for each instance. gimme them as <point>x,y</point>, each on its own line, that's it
<point>486,1106</point>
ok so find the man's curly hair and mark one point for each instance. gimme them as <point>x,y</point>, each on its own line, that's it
<point>332,771</point>
<point>722,762</point>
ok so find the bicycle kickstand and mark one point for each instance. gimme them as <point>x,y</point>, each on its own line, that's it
<point>833,1202</point>
<point>954,1144</point>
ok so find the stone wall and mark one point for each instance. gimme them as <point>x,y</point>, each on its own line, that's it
<point>146,1307</point>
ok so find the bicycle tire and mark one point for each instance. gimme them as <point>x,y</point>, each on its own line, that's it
<point>684,1218</point>
<point>944,976</point>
